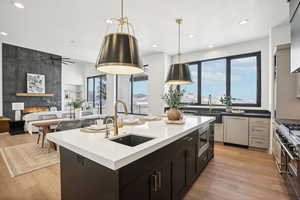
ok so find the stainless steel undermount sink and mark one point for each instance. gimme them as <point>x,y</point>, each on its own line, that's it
<point>132,140</point>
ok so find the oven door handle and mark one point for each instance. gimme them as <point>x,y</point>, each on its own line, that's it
<point>278,166</point>
<point>291,171</point>
<point>285,149</point>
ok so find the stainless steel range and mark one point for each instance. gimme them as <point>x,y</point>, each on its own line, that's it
<point>286,151</point>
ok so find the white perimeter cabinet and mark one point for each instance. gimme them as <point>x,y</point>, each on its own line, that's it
<point>252,132</point>
<point>236,130</point>
<point>259,129</point>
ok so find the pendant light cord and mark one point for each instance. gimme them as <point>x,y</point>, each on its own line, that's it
<point>122,9</point>
<point>179,21</point>
<point>179,43</point>
<point>122,16</point>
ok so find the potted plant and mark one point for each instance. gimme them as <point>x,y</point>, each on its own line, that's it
<point>172,99</point>
<point>77,105</point>
<point>52,106</point>
<point>227,100</point>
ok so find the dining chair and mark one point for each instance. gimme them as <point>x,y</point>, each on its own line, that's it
<point>67,125</point>
<point>88,122</point>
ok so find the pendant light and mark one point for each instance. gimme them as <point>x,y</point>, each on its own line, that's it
<point>119,53</point>
<point>179,73</point>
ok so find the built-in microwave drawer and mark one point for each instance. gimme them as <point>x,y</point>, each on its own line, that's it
<point>203,138</point>
<point>203,159</point>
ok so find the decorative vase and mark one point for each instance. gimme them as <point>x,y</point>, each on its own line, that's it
<point>53,108</point>
<point>174,114</point>
<point>77,113</point>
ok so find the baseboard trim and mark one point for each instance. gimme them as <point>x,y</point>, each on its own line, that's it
<point>4,133</point>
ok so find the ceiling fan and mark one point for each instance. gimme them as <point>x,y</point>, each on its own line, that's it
<point>63,60</point>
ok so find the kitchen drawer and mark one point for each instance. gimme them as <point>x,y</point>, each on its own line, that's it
<point>259,121</point>
<point>259,131</point>
<point>259,143</point>
<point>260,137</point>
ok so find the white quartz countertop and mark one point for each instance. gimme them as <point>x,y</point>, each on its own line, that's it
<point>114,155</point>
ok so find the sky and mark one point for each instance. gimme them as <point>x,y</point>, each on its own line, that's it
<point>140,87</point>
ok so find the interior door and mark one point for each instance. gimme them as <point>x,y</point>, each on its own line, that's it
<point>236,130</point>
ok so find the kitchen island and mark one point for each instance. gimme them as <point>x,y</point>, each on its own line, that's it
<point>163,166</point>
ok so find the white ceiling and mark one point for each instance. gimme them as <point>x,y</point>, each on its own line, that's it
<point>50,25</point>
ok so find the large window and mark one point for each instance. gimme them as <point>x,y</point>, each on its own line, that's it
<point>133,90</point>
<point>190,94</point>
<point>243,82</point>
<point>96,93</point>
<point>213,80</point>
<point>140,103</point>
<point>235,76</point>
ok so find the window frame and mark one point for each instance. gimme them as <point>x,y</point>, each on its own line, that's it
<point>228,78</point>
<point>131,81</point>
<point>94,83</point>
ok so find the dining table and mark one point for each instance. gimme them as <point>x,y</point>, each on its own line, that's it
<point>45,126</point>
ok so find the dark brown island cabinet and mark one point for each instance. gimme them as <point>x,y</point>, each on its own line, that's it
<point>166,174</point>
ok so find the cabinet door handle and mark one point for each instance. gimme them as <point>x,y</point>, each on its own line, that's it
<point>80,160</point>
<point>154,182</point>
<point>159,180</point>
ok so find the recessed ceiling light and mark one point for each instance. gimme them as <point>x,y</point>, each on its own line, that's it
<point>3,33</point>
<point>191,36</point>
<point>210,46</point>
<point>154,45</point>
<point>19,5</point>
<point>109,21</point>
<point>245,21</point>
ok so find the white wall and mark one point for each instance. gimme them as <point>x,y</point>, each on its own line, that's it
<point>73,73</point>
<point>236,49</point>
<point>158,64</point>
<point>277,36</point>
<point>1,85</point>
<point>90,70</point>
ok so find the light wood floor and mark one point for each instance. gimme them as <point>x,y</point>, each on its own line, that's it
<point>234,174</point>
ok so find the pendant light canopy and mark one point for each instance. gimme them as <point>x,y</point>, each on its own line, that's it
<point>179,73</point>
<point>119,53</point>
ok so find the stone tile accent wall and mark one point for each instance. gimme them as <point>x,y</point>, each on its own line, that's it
<point>16,63</point>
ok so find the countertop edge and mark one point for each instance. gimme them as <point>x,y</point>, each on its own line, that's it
<point>100,160</point>
<point>115,165</point>
<point>119,164</point>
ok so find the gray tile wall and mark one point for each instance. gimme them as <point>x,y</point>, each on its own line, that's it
<point>16,63</point>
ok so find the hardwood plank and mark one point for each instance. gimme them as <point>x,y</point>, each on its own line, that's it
<point>234,174</point>
<point>41,184</point>
<point>237,173</point>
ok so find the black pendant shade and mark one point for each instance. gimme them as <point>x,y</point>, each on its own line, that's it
<point>119,55</point>
<point>179,74</point>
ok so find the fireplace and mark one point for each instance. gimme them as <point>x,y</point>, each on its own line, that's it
<point>35,109</point>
